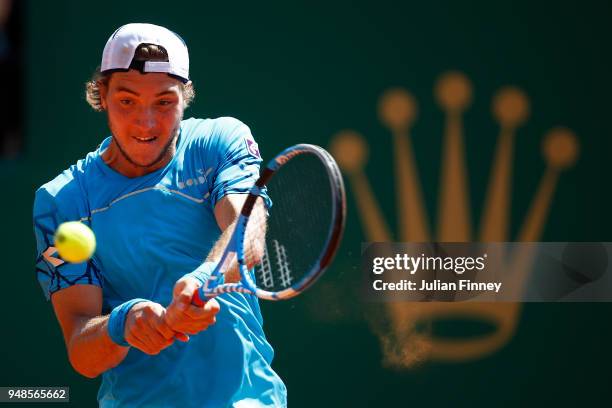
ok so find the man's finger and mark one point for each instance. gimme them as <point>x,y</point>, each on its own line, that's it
<point>168,332</point>
<point>181,337</point>
<point>210,309</point>
<point>184,293</point>
<point>134,342</point>
<point>165,330</point>
<point>149,334</point>
<point>154,339</point>
<point>138,341</point>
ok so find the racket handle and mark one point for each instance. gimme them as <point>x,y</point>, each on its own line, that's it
<point>198,298</point>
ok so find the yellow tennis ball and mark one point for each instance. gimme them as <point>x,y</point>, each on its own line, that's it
<point>75,241</point>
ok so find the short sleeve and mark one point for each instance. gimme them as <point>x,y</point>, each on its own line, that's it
<point>238,160</point>
<point>52,272</point>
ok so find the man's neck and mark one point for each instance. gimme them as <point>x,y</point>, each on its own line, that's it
<point>117,160</point>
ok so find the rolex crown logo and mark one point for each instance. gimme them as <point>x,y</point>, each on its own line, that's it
<point>403,344</point>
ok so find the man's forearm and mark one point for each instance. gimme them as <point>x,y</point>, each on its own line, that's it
<point>254,240</point>
<point>91,350</point>
<point>217,251</point>
<point>232,274</point>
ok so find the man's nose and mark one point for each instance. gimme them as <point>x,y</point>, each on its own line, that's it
<point>146,118</point>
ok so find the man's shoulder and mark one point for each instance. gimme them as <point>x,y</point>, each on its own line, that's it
<point>68,187</point>
<point>213,129</point>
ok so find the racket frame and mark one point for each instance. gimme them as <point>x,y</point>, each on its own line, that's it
<point>215,286</point>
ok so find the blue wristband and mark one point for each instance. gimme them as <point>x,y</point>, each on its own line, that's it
<point>116,321</point>
<point>203,272</point>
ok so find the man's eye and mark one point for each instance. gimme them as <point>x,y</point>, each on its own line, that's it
<point>165,102</point>
<point>125,102</point>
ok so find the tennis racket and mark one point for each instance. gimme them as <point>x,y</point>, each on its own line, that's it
<point>302,231</point>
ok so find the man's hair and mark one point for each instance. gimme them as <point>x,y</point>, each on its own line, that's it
<point>144,52</point>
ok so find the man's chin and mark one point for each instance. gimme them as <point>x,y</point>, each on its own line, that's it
<point>146,162</point>
<point>153,153</point>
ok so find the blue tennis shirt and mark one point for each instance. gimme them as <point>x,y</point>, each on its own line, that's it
<point>150,231</point>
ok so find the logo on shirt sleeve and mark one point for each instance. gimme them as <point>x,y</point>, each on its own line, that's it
<point>252,147</point>
<point>50,256</point>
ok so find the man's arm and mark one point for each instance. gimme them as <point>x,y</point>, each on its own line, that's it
<point>184,317</point>
<point>90,349</point>
<point>226,213</point>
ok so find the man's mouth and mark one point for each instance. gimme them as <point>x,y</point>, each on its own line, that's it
<point>145,139</point>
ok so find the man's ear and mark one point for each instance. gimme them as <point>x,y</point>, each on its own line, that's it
<point>103,90</point>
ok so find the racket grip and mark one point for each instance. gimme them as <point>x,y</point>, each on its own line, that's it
<point>198,298</point>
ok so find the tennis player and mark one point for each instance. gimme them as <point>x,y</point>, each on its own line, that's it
<point>161,194</point>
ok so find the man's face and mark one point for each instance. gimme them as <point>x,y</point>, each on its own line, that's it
<point>144,115</point>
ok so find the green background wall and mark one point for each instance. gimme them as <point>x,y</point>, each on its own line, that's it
<point>301,71</point>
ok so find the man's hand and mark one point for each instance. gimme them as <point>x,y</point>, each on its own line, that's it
<point>147,330</point>
<point>182,316</point>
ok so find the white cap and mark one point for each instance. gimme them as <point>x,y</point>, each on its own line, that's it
<point>120,47</point>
